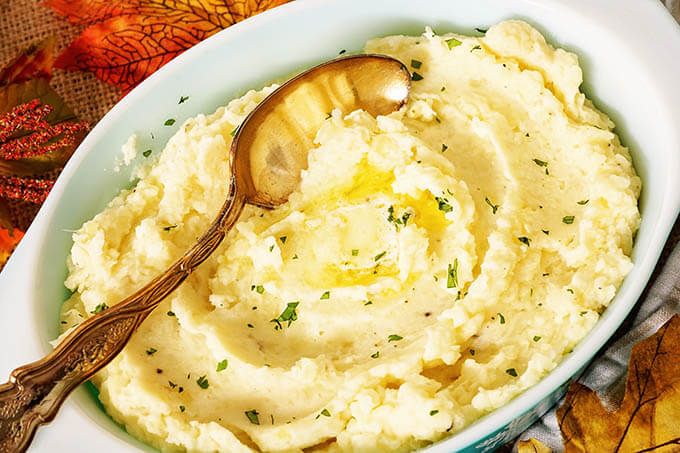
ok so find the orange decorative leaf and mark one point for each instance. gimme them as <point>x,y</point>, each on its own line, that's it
<point>649,416</point>
<point>127,41</point>
<point>35,62</point>
<point>532,446</point>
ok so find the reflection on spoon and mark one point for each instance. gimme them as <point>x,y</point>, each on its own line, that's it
<point>267,154</point>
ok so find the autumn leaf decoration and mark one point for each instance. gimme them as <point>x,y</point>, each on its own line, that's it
<point>38,133</point>
<point>126,41</point>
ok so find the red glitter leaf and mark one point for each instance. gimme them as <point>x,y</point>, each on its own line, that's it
<point>127,41</point>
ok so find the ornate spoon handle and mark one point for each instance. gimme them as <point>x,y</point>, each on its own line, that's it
<point>36,391</point>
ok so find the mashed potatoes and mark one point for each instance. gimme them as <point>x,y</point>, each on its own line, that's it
<point>434,263</point>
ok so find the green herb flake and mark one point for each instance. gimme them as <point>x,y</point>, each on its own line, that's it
<point>375,355</point>
<point>452,275</point>
<point>169,227</point>
<point>444,147</point>
<point>501,318</point>
<point>481,30</point>
<point>416,64</point>
<point>494,207</point>
<point>271,248</point>
<point>170,313</point>
<point>259,289</point>
<point>416,77</point>
<point>289,314</point>
<point>568,219</point>
<point>368,302</point>
<point>378,256</point>
<point>512,372</point>
<point>355,252</point>
<point>453,42</point>
<point>151,351</point>
<point>99,308</point>
<point>203,382</point>
<point>326,295</point>
<point>434,412</point>
<point>325,413</point>
<point>342,51</point>
<point>221,366</point>
<point>582,202</point>
<point>569,290</point>
<point>583,313</point>
<point>235,131</point>
<point>183,99</point>
<point>295,257</point>
<point>169,122</point>
<point>524,240</point>
<point>283,239</point>
<point>253,416</point>
<point>476,48</point>
<point>443,204</point>
<point>537,339</point>
<point>540,163</point>
<point>394,337</point>
<point>546,232</point>
<point>147,153</point>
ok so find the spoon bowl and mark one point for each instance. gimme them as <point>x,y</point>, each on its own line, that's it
<point>267,154</point>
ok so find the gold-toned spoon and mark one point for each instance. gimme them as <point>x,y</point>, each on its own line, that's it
<point>267,154</point>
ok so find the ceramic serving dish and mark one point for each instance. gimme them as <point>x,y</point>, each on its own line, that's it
<point>629,50</point>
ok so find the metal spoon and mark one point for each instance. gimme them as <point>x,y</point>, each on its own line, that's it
<point>267,153</point>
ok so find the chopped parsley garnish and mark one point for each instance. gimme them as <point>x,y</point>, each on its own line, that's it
<point>434,412</point>
<point>170,313</point>
<point>444,147</point>
<point>326,295</point>
<point>169,122</point>
<point>397,220</point>
<point>287,315</point>
<point>481,30</point>
<point>453,42</point>
<point>221,366</point>
<point>512,372</point>
<point>368,302</point>
<point>546,232</point>
<point>253,416</point>
<point>582,202</point>
<point>378,256</point>
<point>147,153</point>
<point>375,355</point>
<point>569,290</point>
<point>568,219</point>
<point>151,351</point>
<point>283,239</point>
<point>494,207</point>
<point>355,252</point>
<point>325,413</point>
<point>443,204</point>
<point>476,48</point>
<point>172,384</point>
<point>203,382</point>
<point>501,318</point>
<point>540,163</point>
<point>183,99</point>
<point>271,248</point>
<point>394,337</point>
<point>452,275</point>
<point>235,131</point>
<point>170,227</point>
<point>415,76</point>
<point>537,338</point>
<point>250,326</point>
<point>583,313</point>
<point>416,64</point>
<point>182,408</point>
<point>99,308</point>
<point>524,240</point>
<point>342,51</point>
<point>259,289</point>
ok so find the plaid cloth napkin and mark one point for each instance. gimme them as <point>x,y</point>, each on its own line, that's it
<point>658,303</point>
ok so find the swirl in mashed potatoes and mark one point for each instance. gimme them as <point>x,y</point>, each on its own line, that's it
<point>433,264</point>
